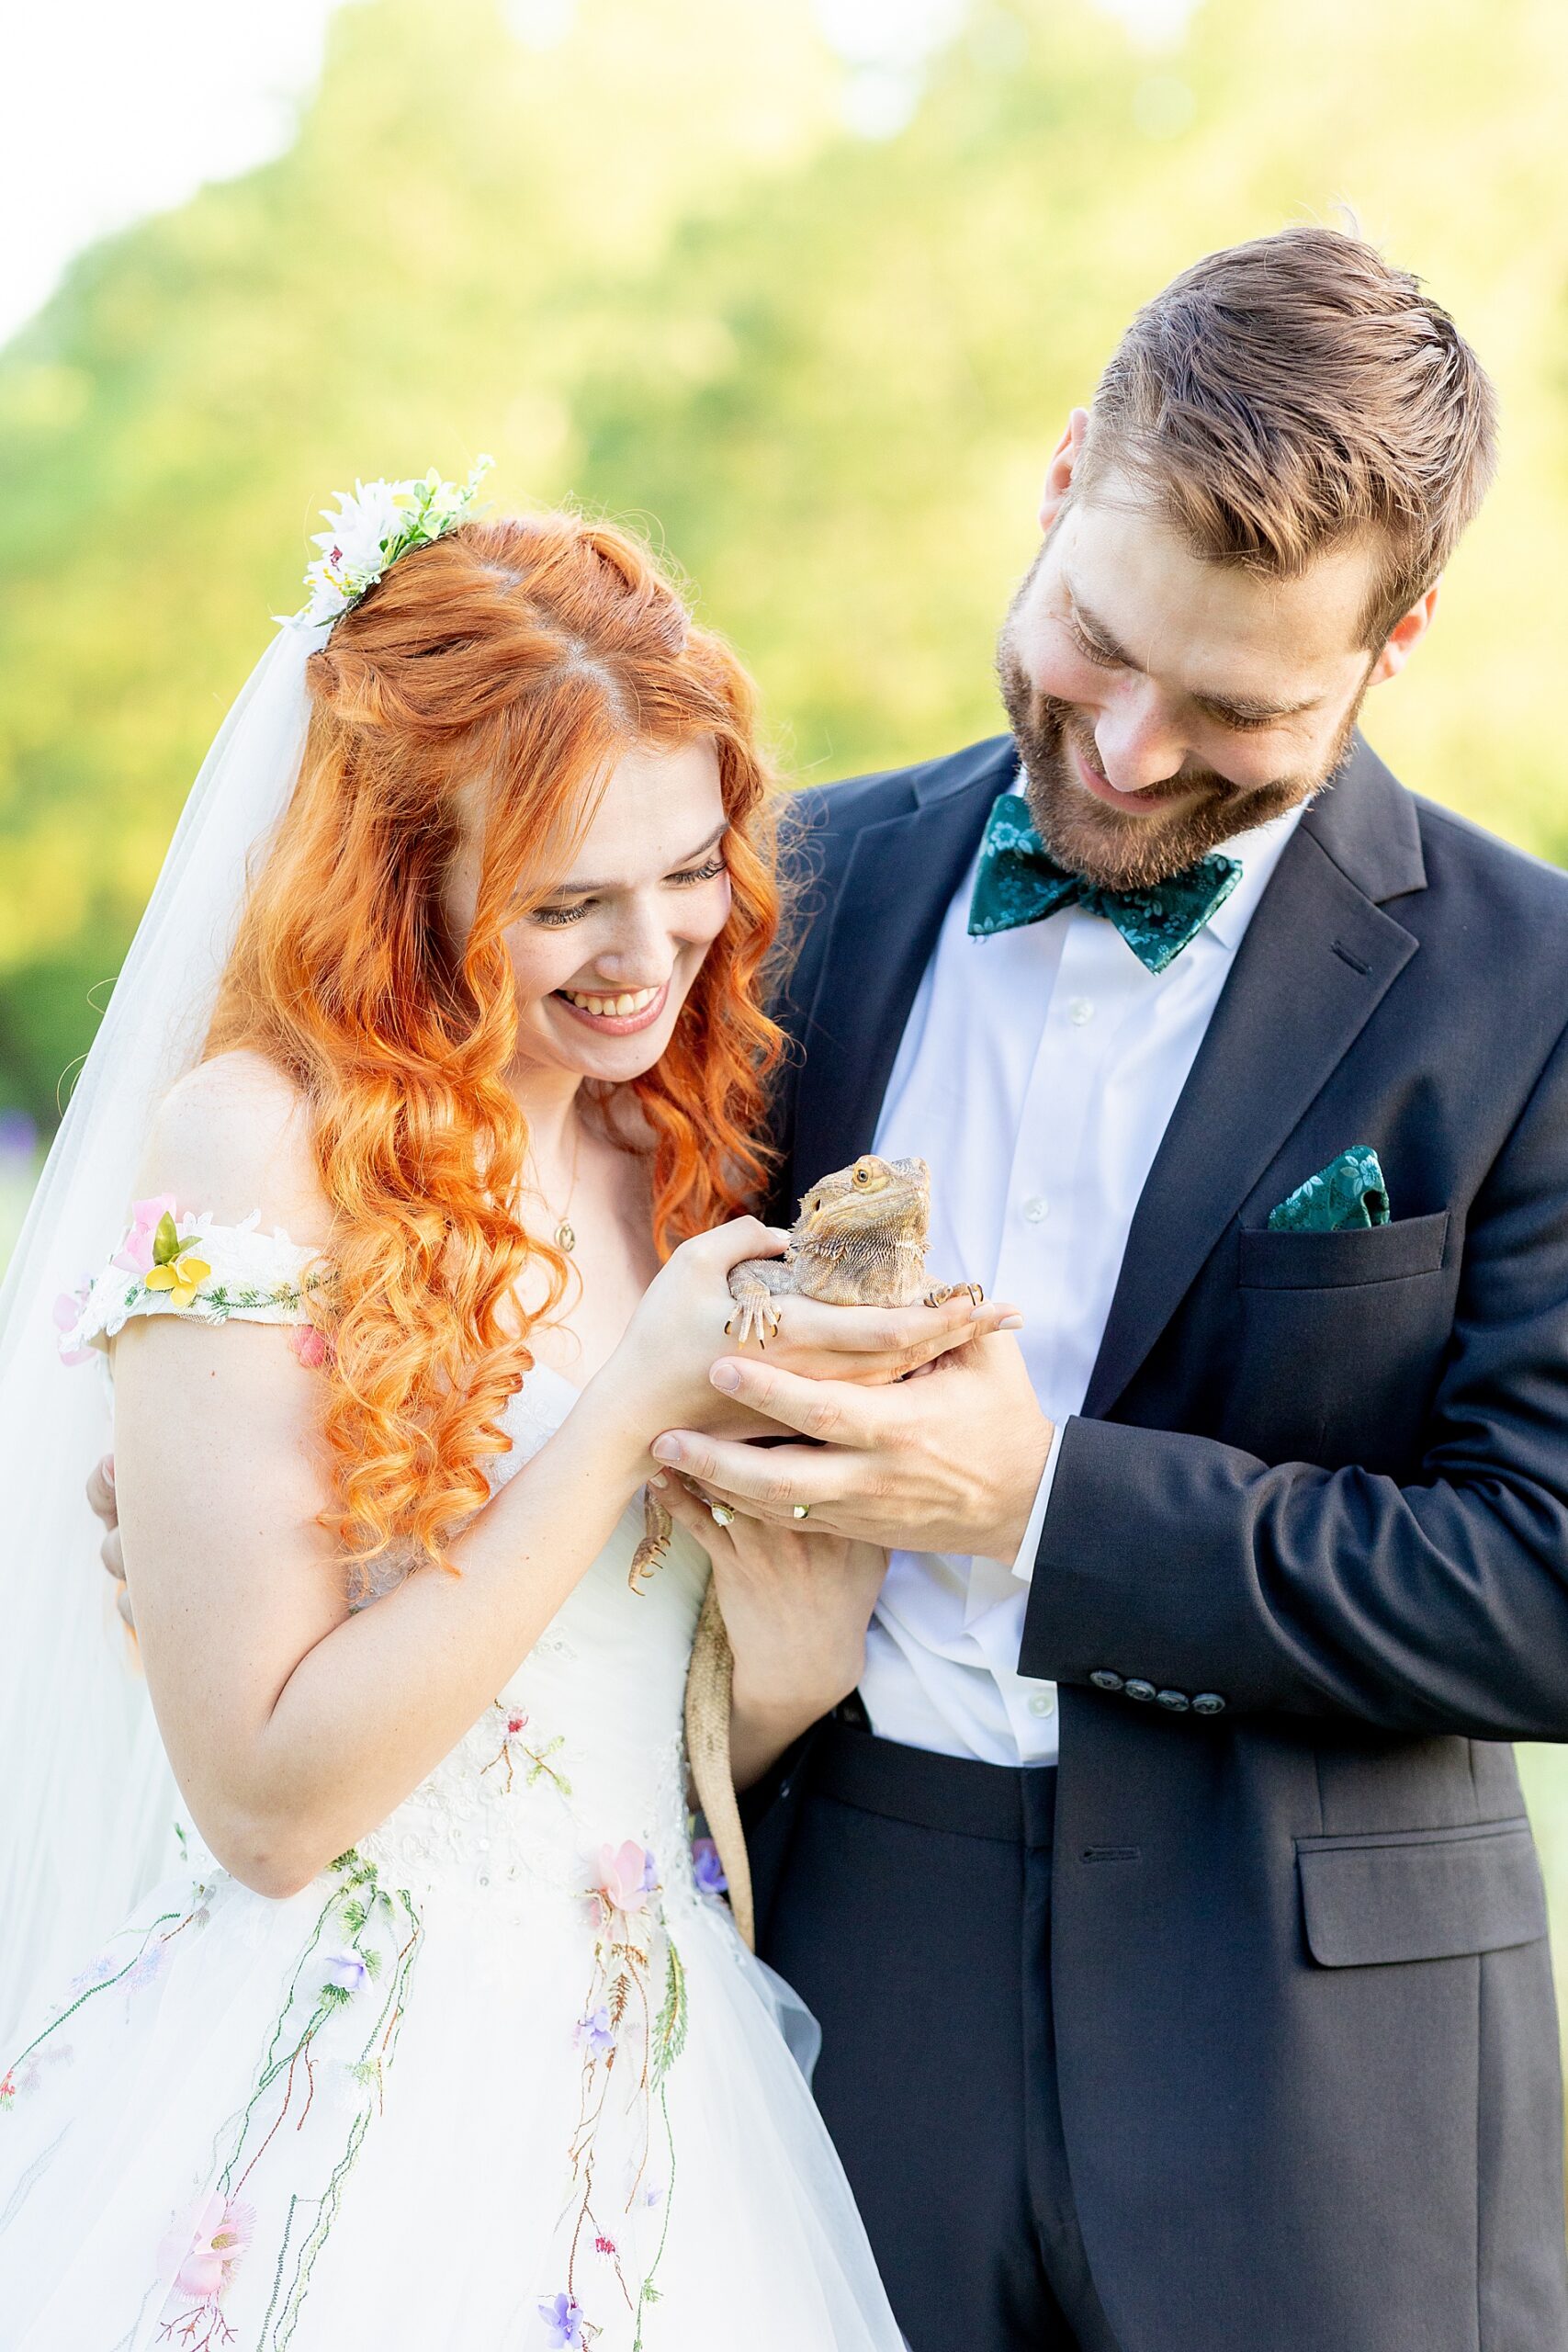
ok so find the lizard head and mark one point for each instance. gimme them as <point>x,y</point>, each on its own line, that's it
<point>884,1196</point>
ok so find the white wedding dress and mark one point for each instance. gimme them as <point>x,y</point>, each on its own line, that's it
<point>503,2078</point>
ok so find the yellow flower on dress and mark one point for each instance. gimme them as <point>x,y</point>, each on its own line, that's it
<point>175,1269</point>
<point>181,1277</point>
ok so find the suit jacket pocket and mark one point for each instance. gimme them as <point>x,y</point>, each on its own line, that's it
<point>1420,1894</point>
<point>1377,1253</point>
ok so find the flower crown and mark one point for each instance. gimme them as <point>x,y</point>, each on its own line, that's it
<point>369,531</point>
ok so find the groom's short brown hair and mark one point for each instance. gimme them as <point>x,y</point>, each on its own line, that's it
<point>1285,397</point>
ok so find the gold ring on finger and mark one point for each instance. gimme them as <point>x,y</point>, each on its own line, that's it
<point>722,1514</point>
<point>801,1511</point>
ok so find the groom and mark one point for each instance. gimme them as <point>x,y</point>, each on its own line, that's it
<point>1166,1896</point>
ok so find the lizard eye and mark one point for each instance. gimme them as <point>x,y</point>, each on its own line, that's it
<point>862,1177</point>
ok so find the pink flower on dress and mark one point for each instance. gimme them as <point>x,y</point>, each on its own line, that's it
<point>68,1309</point>
<point>135,1252</point>
<point>212,2240</point>
<point>311,1347</point>
<point>628,1876</point>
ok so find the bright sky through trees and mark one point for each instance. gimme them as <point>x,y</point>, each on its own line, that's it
<point>115,111</point>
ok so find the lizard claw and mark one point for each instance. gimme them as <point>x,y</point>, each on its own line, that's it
<point>950,1290</point>
<point>758,1319</point>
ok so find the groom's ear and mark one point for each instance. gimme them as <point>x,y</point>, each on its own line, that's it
<point>1059,472</point>
<point>1405,636</point>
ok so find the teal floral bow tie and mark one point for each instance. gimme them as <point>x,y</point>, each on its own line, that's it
<point>1019,882</point>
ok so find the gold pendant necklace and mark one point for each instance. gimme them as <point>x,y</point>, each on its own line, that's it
<point>566,1232</point>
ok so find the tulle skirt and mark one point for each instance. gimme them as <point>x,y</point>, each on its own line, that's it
<point>374,2118</point>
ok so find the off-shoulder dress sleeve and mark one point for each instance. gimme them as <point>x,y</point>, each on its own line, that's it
<point>194,1267</point>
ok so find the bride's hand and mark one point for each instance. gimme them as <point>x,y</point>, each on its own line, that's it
<point>679,1330</point>
<point>796,1605</point>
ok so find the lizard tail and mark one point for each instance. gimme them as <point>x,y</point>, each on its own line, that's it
<point>708,1681</point>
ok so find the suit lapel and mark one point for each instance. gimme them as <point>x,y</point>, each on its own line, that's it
<point>1318,956</point>
<point>887,904</point>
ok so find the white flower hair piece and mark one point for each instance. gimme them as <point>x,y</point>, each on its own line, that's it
<point>369,531</point>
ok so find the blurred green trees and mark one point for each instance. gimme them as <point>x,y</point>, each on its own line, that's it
<point>649,269</point>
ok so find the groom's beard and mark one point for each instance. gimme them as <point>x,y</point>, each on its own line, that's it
<point>1106,846</point>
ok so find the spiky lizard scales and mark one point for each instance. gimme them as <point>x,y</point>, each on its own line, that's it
<point>859,1241</point>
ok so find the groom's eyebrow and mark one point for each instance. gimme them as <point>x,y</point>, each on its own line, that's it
<point>1245,710</point>
<point>586,889</point>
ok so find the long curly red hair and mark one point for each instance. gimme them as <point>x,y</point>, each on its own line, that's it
<point>530,655</point>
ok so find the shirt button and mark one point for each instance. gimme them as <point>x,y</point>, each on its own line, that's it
<point>1043,1703</point>
<point>1080,1010</point>
<point>1036,1208</point>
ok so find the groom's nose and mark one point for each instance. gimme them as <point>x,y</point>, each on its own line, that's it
<point>1139,744</point>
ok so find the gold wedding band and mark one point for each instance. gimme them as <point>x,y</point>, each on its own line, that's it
<point>722,1514</point>
<point>802,1510</point>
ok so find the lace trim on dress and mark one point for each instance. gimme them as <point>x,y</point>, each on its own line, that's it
<point>190,1266</point>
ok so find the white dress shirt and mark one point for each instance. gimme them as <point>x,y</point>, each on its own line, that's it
<point>1037,1073</point>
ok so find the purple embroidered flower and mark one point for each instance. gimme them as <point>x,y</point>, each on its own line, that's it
<point>593,2033</point>
<point>146,1968</point>
<point>637,2190</point>
<point>87,1979</point>
<point>23,2077</point>
<point>347,1971</point>
<point>708,1869</point>
<point>563,2314</point>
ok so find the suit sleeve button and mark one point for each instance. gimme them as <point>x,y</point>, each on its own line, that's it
<point>1103,1680</point>
<point>1176,1701</point>
<point>1208,1703</point>
<point>1138,1689</point>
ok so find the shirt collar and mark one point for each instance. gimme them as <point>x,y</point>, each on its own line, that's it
<point>1259,852</point>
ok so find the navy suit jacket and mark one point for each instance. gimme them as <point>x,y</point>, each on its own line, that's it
<point>1306,2039</point>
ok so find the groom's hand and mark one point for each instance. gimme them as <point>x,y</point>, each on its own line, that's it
<point>950,1461</point>
<point>105,1505</point>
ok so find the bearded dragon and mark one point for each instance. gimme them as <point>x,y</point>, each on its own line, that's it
<point>859,1241</point>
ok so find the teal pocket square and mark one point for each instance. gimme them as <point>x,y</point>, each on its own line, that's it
<point>1347,1194</point>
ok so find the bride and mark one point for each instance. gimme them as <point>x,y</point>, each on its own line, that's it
<point>442,1031</point>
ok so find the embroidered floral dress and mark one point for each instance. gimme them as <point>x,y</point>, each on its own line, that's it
<point>503,2078</point>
